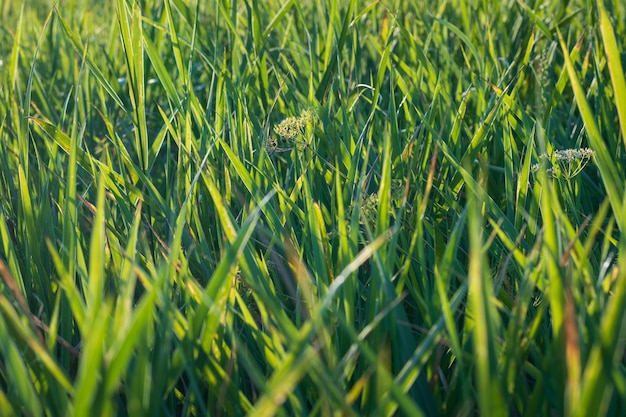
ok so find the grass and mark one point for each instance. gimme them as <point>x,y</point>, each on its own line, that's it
<point>312,208</point>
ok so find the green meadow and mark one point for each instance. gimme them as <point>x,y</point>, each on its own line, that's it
<point>312,208</point>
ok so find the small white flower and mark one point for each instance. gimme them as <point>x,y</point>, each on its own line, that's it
<point>566,163</point>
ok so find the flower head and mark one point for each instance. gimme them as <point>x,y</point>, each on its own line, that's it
<point>566,163</point>
<point>291,127</point>
<point>287,131</point>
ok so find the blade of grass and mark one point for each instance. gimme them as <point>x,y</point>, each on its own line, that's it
<point>93,66</point>
<point>606,165</point>
<point>17,371</point>
<point>481,312</point>
<point>613,57</point>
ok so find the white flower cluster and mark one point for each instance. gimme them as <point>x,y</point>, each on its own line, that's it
<point>566,163</point>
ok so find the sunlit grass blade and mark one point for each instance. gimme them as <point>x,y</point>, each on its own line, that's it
<point>93,66</point>
<point>122,349</point>
<point>83,159</point>
<point>97,258</point>
<point>176,45</point>
<point>331,54</point>
<point>89,378</point>
<point>613,57</point>
<point>27,335</point>
<point>596,380</point>
<point>16,369</point>
<point>482,317</point>
<point>610,177</point>
<point>132,41</point>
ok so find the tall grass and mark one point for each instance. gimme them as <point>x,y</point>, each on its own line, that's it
<point>312,208</point>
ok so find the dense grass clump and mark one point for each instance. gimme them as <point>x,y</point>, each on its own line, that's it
<point>304,208</point>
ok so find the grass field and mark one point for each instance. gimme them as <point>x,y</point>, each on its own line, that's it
<point>312,208</point>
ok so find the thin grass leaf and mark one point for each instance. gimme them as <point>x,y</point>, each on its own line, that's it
<point>17,371</point>
<point>123,348</point>
<point>613,57</point>
<point>610,177</point>
<point>483,319</point>
<point>596,379</point>
<point>93,66</point>
<point>176,45</point>
<point>330,65</point>
<point>465,39</point>
<point>27,336</point>
<point>97,259</point>
<point>89,378</point>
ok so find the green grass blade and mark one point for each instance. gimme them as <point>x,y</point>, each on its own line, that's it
<point>611,179</point>
<point>613,57</point>
<point>97,258</point>
<point>17,371</point>
<point>93,66</point>
<point>483,318</point>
